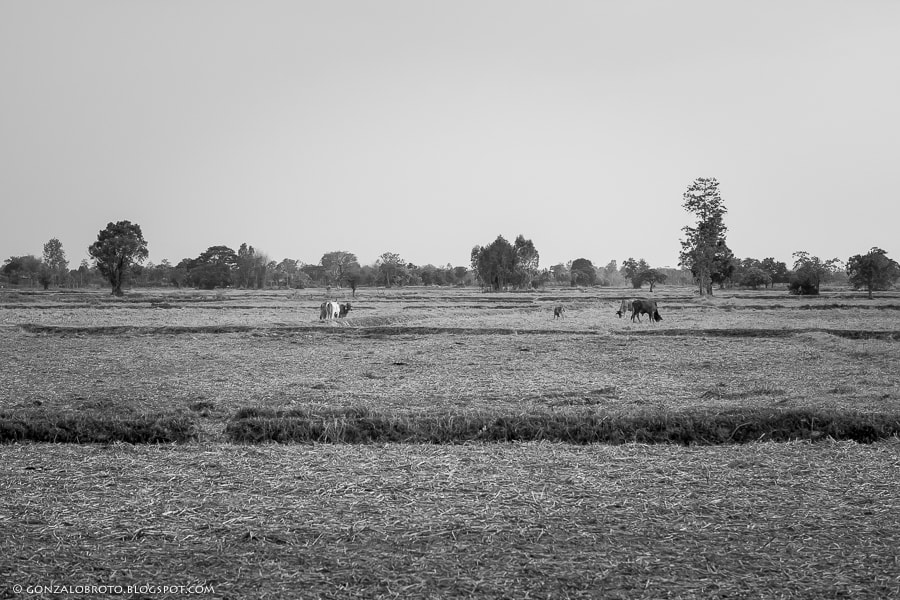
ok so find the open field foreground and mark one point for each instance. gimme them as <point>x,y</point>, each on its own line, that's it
<point>532,519</point>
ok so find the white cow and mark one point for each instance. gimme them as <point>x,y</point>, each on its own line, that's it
<point>329,311</point>
<point>332,310</point>
<point>625,307</point>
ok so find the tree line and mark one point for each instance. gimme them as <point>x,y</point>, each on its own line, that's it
<point>705,260</point>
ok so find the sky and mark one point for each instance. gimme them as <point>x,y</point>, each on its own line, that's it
<point>427,127</point>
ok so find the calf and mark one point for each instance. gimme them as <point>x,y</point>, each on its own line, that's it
<point>558,312</point>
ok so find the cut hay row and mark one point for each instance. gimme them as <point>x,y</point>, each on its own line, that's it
<point>86,427</point>
<point>359,425</point>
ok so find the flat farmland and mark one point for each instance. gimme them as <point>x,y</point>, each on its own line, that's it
<point>536,519</point>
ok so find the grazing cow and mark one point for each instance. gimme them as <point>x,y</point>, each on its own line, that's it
<point>644,307</point>
<point>558,312</point>
<point>624,307</point>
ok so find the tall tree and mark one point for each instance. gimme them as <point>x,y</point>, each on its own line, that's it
<point>117,248</point>
<point>872,271</point>
<point>55,261</point>
<point>703,250</point>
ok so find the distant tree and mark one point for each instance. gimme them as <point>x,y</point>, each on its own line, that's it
<point>353,276</point>
<point>213,268</point>
<point>560,274</point>
<point>754,277</point>
<point>634,270</point>
<point>582,272</point>
<point>22,269</point>
<point>777,270</point>
<point>286,273</point>
<point>872,271</point>
<point>180,275</point>
<point>117,248</point>
<point>652,276</point>
<point>335,264</point>
<point>527,262</point>
<point>55,261</point>
<point>724,266</point>
<point>495,263</point>
<point>85,274</point>
<point>810,272</point>
<point>460,275</point>
<point>703,250</point>
<point>315,274</point>
<point>391,269</point>
<point>610,275</point>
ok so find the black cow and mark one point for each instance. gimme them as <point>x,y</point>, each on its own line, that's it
<point>344,309</point>
<point>644,307</point>
<point>558,312</point>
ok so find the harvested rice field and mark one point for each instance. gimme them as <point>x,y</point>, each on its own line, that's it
<point>535,519</point>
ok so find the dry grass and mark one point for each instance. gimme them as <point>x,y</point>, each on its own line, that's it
<point>788,520</point>
<point>511,521</point>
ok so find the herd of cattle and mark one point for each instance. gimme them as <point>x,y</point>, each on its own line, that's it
<point>637,307</point>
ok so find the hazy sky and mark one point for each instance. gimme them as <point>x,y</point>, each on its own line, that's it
<point>425,127</point>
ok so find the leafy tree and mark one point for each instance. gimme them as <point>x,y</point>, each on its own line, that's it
<point>55,261</point>
<point>336,264</point>
<point>872,271</point>
<point>703,250</point>
<point>582,272</point>
<point>117,248</point>
<point>810,272</point>
<point>213,268</point>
